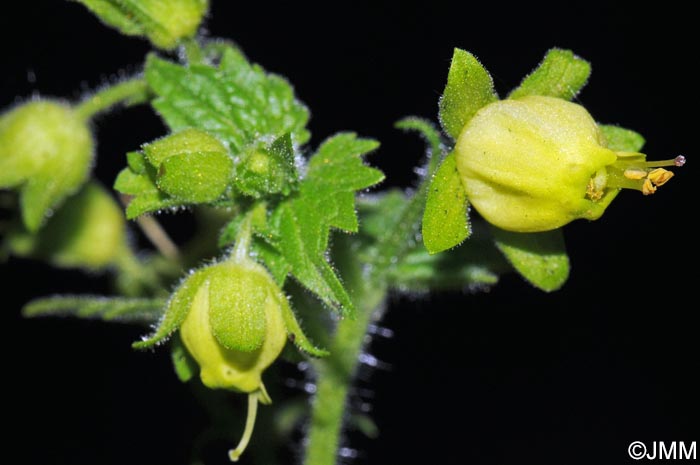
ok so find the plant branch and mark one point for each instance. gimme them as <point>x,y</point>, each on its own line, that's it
<point>131,91</point>
<point>368,289</point>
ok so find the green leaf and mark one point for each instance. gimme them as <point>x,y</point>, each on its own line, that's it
<point>236,102</point>
<point>561,74</point>
<point>326,198</point>
<point>379,211</point>
<point>476,264</point>
<point>273,259</point>
<point>163,22</point>
<point>269,170</point>
<point>183,363</point>
<point>121,309</point>
<point>621,139</point>
<point>469,87</point>
<point>446,219</point>
<point>540,258</point>
<point>176,311</point>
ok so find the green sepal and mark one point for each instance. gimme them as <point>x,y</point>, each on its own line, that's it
<point>540,257</point>
<point>176,311</point>
<point>269,170</point>
<point>561,74</point>
<point>621,139</point>
<point>118,309</point>
<point>296,334</point>
<point>237,301</point>
<point>145,195</point>
<point>469,87</point>
<point>185,141</point>
<point>137,162</point>
<point>197,177</point>
<point>446,215</point>
<point>184,365</point>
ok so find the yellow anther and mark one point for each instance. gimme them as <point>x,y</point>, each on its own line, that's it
<point>660,176</point>
<point>593,192</point>
<point>635,173</point>
<point>648,187</point>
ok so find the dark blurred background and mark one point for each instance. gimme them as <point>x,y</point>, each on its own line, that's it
<point>512,376</point>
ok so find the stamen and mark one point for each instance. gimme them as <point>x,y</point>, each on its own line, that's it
<point>660,176</point>
<point>235,454</point>
<point>635,173</point>
<point>679,160</point>
<point>648,188</point>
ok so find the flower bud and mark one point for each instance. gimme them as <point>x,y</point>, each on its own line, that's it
<point>87,231</point>
<point>192,165</point>
<point>45,151</point>
<point>536,163</point>
<point>234,328</point>
<point>164,22</point>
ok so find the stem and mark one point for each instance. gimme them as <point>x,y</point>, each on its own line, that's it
<point>155,233</point>
<point>193,51</point>
<point>130,91</point>
<point>335,373</point>
<point>158,237</point>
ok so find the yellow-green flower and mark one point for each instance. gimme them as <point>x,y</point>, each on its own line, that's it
<point>234,321</point>
<point>46,152</point>
<point>536,163</point>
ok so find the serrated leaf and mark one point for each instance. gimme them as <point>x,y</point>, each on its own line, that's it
<point>469,87</point>
<point>183,363</point>
<point>621,139</point>
<point>326,198</point>
<point>540,257</point>
<point>237,102</point>
<point>274,261</point>
<point>163,22</point>
<point>446,219</point>
<point>177,309</point>
<point>121,309</point>
<point>561,74</point>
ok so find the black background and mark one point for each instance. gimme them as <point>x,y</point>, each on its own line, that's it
<point>513,376</point>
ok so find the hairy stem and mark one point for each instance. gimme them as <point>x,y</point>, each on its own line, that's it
<point>130,91</point>
<point>368,286</point>
<point>335,375</point>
